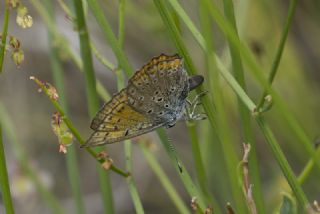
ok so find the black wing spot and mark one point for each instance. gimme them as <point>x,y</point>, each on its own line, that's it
<point>132,91</point>
<point>141,98</point>
<point>160,99</point>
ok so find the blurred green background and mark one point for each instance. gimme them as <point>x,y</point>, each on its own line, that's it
<point>260,23</point>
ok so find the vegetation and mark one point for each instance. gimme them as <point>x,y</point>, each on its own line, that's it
<point>256,152</point>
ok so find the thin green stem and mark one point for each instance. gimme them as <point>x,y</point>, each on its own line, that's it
<point>208,106</point>
<point>109,36</point>
<point>222,127</point>
<point>247,56</point>
<point>245,113</point>
<point>71,156</point>
<point>4,33</point>
<point>164,180</point>
<point>283,163</point>
<point>200,169</point>
<point>128,154</point>
<point>20,154</point>
<point>102,59</point>
<point>185,177</point>
<point>122,7</point>
<point>93,103</point>
<point>86,56</point>
<point>74,131</point>
<point>4,181</point>
<point>227,29</point>
<point>276,61</point>
<point>306,171</point>
<point>131,184</point>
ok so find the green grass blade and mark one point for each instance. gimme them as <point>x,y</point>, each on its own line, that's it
<point>4,181</point>
<point>4,33</point>
<point>195,148</point>
<point>185,177</point>
<point>93,104</point>
<point>131,184</point>
<point>164,180</point>
<point>109,35</point>
<point>245,113</point>
<point>128,154</point>
<point>71,156</point>
<point>283,163</point>
<point>277,58</point>
<point>258,74</point>
<point>20,154</point>
<point>209,107</point>
<point>228,31</point>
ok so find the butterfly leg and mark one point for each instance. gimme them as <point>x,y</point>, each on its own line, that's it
<point>191,108</point>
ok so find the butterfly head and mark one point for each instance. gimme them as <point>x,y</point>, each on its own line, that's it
<point>195,81</point>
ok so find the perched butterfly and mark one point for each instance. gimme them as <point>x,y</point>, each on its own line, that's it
<point>156,96</point>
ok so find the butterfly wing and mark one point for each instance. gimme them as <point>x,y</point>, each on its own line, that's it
<point>155,90</point>
<point>117,121</point>
<point>155,97</point>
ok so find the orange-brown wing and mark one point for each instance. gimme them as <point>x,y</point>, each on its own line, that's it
<point>117,121</point>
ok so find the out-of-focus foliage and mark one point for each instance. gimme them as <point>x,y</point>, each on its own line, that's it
<point>260,24</point>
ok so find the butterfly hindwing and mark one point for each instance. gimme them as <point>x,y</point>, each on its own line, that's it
<point>118,121</point>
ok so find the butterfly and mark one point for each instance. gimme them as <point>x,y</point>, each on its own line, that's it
<point>156,96</point>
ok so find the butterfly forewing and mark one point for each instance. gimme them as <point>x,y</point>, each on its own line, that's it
<point>153,89</point>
